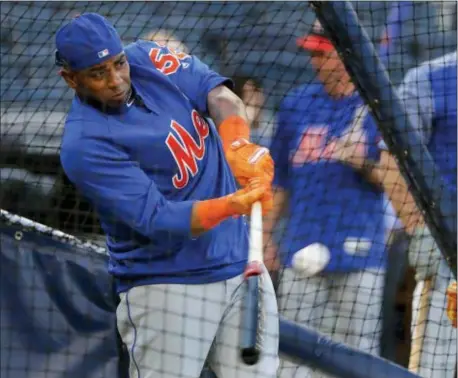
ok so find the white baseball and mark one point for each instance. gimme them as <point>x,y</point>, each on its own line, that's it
<point>311,260</point>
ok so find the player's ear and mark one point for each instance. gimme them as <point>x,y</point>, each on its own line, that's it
<point>69,77</point>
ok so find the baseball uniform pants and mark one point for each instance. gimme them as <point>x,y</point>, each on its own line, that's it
<point>344,306</point>
<point>171,330</point>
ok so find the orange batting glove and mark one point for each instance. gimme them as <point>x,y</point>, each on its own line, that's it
<point>247,160</point>
<point>451,303</point>
<point>242,200</point>
<point>209,213</point>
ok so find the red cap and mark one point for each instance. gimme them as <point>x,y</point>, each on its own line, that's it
<point>316,40</point>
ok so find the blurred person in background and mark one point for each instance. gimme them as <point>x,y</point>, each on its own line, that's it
<point>429,93</point>
<point>251,92</point>
<point>331,209</point>
<point>406,42</point>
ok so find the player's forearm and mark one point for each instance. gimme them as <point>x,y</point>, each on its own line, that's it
<point>222,103</point>
<point>386,175</point>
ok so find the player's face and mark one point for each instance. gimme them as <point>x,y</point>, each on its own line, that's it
<point>328,65</point>
<point>108,83</point>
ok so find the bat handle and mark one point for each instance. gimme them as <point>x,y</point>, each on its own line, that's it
<point>255,249</point>
<point>419,331</point>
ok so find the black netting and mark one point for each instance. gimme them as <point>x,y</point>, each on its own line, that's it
<point>365,302</point>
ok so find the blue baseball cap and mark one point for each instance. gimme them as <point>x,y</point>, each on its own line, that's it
<point>87,40</point>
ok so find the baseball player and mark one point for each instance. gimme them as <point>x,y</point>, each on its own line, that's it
<point>136,143</point>
<point>335,284</point>
<point>429,95</point>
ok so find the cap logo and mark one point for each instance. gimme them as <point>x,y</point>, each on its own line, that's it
<point>103,53</point>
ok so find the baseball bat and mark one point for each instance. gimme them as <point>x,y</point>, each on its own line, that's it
<point>251,313</point>
<point>419,329</point>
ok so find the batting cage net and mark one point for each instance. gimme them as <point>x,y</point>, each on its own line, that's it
<point>357,105</point>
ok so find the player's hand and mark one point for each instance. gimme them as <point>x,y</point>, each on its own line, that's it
<point>248,161</point>
<point>209,213</point>
<point>451,303</point>
<point>350,149</point>
<point>242,200</point>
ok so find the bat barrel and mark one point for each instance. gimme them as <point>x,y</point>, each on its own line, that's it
<point>249,343</point>
<point>249,348</point>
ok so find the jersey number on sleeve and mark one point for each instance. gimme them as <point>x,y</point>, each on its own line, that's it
<point>167,63</point>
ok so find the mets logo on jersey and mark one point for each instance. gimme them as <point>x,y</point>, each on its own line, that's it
<point>317,143</point>
<point>312,146</point>
<point>185,150</point>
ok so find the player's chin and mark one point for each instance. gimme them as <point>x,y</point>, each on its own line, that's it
<point>117,99</point>
<point>115,102</point>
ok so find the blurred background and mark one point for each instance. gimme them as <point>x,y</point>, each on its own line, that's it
<point>252,42</point>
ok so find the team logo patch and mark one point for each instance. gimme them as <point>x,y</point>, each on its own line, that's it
<point>103,53</point>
